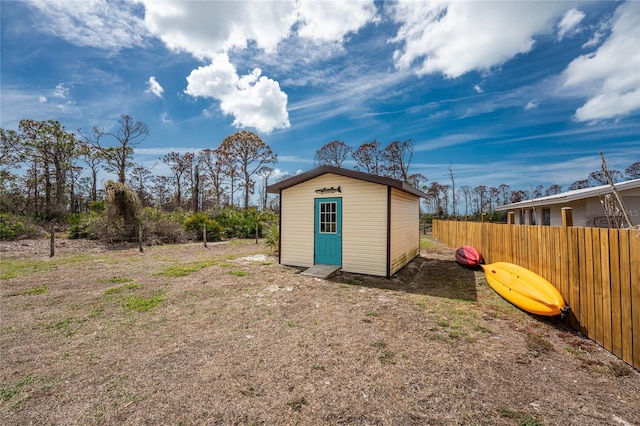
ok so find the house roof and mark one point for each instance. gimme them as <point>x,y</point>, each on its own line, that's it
<point>577,194</point>
<point>319,171</point>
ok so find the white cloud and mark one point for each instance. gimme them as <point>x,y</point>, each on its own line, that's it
<point>253,100</point>
<point>609,77</point>
<point>531,105</point>
<point>154,87</point>
<point>569,22</point>
<point>456,37</point>
<point>478,89</point>
<point>206,29</point>
<point>95,23</point>
<point>42,99</point>
<point>61,91</point>
<point>331,21</point>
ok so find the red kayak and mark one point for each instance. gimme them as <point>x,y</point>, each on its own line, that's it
<point>468,256</point>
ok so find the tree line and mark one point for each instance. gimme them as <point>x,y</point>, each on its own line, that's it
<point>61,169</point>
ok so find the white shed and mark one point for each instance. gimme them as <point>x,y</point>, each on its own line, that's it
<point>360,222</point>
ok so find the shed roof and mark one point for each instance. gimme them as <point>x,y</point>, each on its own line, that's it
<point>576,194</point>
<point>319,171</point>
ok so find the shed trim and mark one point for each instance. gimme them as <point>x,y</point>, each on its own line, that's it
<point>319,171</point>
<point>388,231</point>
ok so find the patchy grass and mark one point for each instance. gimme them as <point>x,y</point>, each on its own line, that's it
<point>182,270</point>
<point>15,394</point>
<point>12,268</point>
<point>33,291</point>
<point>427,243</point>
<point>118,290</point>
<point>141,304</point>
<point>239,273</point>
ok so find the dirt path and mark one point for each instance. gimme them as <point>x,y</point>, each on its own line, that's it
<point>224,335</point>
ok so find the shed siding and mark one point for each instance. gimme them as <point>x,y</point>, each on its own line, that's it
<point>296,233</point>
<point>364,228</point>
<point>364,222</point>
<point>405,232</point>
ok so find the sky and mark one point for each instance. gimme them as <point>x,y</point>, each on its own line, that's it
<point>500,92</point>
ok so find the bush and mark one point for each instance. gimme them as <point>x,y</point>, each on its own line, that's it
<point>162,227</point>
<point>87,225</point>
<point>13,227</point>
<point>237,223</point>
<point>242,223</point>
<point>272,236</point>
<point>195,223</point>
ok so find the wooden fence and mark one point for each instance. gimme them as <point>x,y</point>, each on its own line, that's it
<point>596,270</point>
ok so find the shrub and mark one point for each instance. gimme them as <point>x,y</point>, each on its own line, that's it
<point>162,227</point>
<point>272,236</point>
<point>195,223</point>
<point>13,227</point>
<point>237,223</point>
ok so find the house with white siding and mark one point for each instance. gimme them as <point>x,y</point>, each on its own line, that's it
<point>359,222</point>
<point>586,205</point>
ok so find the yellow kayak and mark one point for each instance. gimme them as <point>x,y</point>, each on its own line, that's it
<point>525,289</point>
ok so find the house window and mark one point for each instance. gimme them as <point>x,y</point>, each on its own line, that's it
<point>546,217</point>
<point>328,217</point>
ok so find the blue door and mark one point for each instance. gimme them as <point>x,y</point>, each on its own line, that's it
<point>328,231</point>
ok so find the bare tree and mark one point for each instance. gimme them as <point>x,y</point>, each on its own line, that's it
<point>481,197</point>
<point>518,195</point>
<point>214,169</point>
<point>537,192</point>
<point>452,176</point>
<point>265,172</point>
<point>397,157</point>
<point>249,153</point>
<point>506,192</point>
<point>161,190</point>
<point>127,135</point>
<point>633,171</point>
<point>580,184</point>
<point>333,153</point>
<point>368,158</point>
<point>466,195</point>
<point>494,197</point>
<point>93,159</point>
<point>139,177</point>
<point>599,177</point>
<point>182,167</point>
<point>553,189</point>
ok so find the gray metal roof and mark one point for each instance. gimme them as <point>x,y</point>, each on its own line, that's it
<point>319,171</point>
<point>576,194</point>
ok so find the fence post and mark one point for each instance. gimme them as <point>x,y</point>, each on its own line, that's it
<point>567,216</point>
<point>511,218</point>
<point>484,217</point>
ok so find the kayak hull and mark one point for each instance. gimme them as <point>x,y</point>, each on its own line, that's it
<point>468,256</point>
<point>525,289</point>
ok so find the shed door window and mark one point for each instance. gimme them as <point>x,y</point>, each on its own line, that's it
<point>328,217</point>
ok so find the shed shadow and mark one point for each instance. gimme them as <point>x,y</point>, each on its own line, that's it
<point>423,275</point>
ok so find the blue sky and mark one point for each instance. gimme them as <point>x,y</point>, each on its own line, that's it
<point>513,92</point>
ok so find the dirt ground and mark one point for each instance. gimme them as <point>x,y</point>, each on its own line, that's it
<point>185,334</point>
